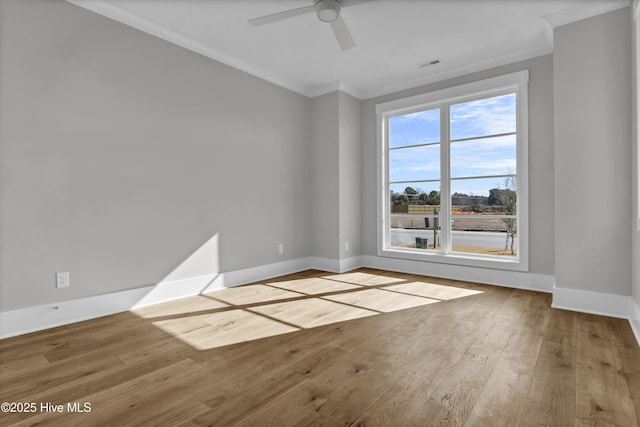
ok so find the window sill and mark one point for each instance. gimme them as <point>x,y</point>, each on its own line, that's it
<point>460,259</point>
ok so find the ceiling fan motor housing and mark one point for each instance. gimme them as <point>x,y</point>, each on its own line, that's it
<point>328,10</point>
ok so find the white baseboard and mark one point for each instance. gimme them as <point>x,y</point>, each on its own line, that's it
<point>168,291</point>
<point>262,272</point>
<point>324,264</point>
<point>620,306</point>
<point>22,321</point>
<point>335,265</point>
<point>511,279</point>
<point>634,318</point>
<point>591,302</point>
<point>32,319</point>
<point>352,263</point>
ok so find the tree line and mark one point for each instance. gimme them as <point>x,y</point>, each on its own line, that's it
<point>500,200</point>
<point>498,197</point>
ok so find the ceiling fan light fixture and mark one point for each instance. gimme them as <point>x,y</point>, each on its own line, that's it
<point>328,10</point>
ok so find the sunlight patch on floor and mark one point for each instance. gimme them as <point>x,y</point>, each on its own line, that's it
<point>314,285</point>
<point>381,300</point>
<point>187,305</point>
<point>251,294</point>
<point>311,312</point>
<point>362,278</point>
<point>223,328</point>
<point>432,290</point>
<point>288,304</point>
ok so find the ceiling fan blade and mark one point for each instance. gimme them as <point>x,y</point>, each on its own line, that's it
<point>344,37</point>
<point>268,19</point>
<point>347,3</point>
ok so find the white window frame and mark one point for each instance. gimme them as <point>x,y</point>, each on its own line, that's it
<point>636,22</point>
<point>516,82</point>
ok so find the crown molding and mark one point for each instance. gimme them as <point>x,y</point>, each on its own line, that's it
<point>131,19</point>
<point>584,11</point>
<point>457,72</point>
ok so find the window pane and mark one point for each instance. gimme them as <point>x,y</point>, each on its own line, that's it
<point>487,236</point>
<point>415,163</point>
<point>414,212</point>
<point>415,193</point>
<point>496,196</point>
<point>487,156</point>
<point>484,216</point>
<point>489,116</point>
<point>414,128</point>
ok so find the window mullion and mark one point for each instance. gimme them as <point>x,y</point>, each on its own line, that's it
<point>445,181</point>
<point>386,214</point>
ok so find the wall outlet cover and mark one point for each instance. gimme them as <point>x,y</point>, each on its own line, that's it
<point>62,279</point>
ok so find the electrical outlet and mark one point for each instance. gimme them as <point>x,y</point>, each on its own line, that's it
<point>346,246</point>
<point>280,248</point>
<point>62,279</point>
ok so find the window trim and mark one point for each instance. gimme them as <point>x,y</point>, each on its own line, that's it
<point>517,82</point>
<point>636,23</point>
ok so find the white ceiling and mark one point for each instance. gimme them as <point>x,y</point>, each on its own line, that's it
<point>392,37</point>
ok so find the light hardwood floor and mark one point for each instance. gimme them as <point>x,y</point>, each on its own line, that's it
<point>362,348</point>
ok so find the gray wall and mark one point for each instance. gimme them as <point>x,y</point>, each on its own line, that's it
<point>592,101</point>
<point>121,154</point>
<point>336,170</point>
<point>350,173</point>
<point>325,137</point>
<point>540,157</point>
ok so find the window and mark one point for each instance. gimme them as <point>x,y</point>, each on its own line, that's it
<point>453,175</point>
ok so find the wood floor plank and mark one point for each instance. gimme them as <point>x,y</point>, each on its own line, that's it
<point>562,328</point>
<point>552,393</point>
<point>180,410</point>
<point>49,377</point>
<point>366,347</point>
<point>630,370</point>
<point>407,395</point>
<point>453,400</point>
<point>313,285</point>
<point>243,405</point>
<point>501,402</point>
<point>21,367</point>
<point>313,393</point>
<point>150,393</point>
<point>132,399</point>
<point>73,380</point>
<point>444,343</point>
<point>309,313</point>
<point>60,338</point>
<point>602,392</point>
<point>318,362</point>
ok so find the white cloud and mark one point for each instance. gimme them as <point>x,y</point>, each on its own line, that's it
<point>484,117</point>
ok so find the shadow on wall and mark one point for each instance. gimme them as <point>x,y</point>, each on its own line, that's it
<point>193,276</point>
<point>197,273</point>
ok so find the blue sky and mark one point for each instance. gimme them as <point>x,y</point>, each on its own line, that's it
<point>477,158</point>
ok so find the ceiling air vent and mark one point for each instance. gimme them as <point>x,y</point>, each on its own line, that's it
<point>429,63</point>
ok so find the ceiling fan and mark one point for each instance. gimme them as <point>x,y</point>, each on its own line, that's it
<point>326,10</point>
